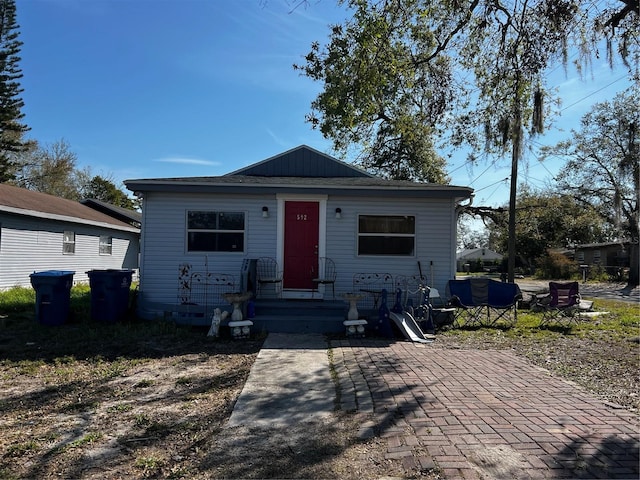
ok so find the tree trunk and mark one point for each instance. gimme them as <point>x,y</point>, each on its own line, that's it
<point>634,264</point>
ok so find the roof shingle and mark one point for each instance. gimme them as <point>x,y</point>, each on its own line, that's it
<point>26,202</point>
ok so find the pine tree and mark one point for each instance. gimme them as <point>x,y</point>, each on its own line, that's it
<point>11,128</point>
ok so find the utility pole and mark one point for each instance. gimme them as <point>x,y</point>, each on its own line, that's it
<point>516,138</point>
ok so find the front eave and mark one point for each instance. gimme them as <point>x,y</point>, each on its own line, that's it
<point>300,185</point>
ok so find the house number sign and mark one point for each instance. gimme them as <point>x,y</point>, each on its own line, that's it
<point>302,216</point>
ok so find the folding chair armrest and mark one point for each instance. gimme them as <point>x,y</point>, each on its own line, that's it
<point>542,301</point>
<point>455,302</point>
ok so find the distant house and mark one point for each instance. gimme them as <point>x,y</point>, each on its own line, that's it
<point>609,255</point>
<point>43,232</point>
<point>475,256</point>
<point>296,208</point>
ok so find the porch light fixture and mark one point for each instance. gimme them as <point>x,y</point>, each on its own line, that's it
<point>265,212</point>
<point>338,212</point>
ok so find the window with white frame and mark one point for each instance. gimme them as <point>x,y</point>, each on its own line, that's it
<point>387,235</point>
<point>106,244</point>
<point>68,242</point>
<point>215,231</point>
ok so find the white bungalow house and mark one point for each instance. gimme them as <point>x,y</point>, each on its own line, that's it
<point>42,232</point>
<point>296,207</point>
<point>478,258</point>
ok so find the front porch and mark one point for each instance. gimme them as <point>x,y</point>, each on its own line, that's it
<point>278,315</point>
<point>299,316</point>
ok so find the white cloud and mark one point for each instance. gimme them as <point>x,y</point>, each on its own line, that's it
<point>278,140</point>
<point>188,161</point>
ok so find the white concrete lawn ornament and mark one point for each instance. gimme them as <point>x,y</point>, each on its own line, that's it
<point>217,317</point>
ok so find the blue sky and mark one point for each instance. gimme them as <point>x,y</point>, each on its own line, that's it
<point>167,88</point>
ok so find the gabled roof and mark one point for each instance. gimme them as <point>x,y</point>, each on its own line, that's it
<point>20,201</point>
<point>302,161</point>
<point>275,175</point>
<point>619,243</point>
<point>478,253</point>
<point>124,214</point>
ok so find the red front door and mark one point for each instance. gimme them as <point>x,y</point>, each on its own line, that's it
<point>300,244</point>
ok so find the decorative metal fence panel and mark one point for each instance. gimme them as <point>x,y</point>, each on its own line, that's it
<point>204,288</point>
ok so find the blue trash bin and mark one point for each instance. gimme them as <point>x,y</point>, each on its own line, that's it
<point>109,294</point>
<point>53,295</point>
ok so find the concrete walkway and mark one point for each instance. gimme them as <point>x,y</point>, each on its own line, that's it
<point>289,383</point>
<point>471,414</point>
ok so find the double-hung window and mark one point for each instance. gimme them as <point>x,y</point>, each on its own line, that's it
<point>106,244</point>
<point>217,231</point>
<point>68,242</point>
<point>387,235</point>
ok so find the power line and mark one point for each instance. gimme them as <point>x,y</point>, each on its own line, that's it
<point>593,93</point>
<point>485,171</point>
<point>489,186</point>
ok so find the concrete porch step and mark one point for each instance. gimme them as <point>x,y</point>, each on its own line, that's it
<point>299,316</point>
<point>297,324</point>
<point>300,308</point>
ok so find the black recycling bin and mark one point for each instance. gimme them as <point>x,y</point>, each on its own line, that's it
<point>109,294</point>
<point>53,295</point>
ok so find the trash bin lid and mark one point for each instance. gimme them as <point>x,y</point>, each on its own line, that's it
<point>109,271</point>
<point>52,273</point>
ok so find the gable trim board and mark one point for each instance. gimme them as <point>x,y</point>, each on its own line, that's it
<point>167,201</point>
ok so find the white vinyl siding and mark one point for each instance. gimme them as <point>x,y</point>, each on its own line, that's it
<point>164,238</point>
<point>34,244</point>
<point>435,243</point>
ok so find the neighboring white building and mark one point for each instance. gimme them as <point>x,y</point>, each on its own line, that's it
<point>295,207</point>
<point>42,232</point>
<point>474,255</point>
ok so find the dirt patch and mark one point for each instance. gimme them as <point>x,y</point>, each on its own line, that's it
<point>499,461</point>
<point>313,450</point>
<point>94,403</point>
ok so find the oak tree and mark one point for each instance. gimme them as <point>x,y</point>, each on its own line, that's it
<point>602,169</point>
<point>401,74</point>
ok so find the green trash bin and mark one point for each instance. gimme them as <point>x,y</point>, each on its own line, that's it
<point>109,294</point>
<point>53,295</point>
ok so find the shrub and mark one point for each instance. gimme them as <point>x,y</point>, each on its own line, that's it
<point>556,266</point>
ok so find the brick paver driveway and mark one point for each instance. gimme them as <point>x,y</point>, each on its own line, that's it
<point>483,414</point>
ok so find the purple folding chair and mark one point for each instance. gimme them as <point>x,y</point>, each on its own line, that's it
<point>562,303</point>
